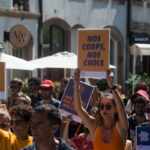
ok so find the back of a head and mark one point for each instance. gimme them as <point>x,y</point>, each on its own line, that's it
<point>140,99</point>
<point>34,81</point>
<point>52,113</point>
<point>21,100</point>
<point>22,112</point>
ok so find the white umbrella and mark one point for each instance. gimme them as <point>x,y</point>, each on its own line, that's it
<point>13,62</point>
<point>59,60</point>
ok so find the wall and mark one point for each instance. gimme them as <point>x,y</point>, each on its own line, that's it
<point>140,13</point>
<point>90,14</point>
<point>6,23</point>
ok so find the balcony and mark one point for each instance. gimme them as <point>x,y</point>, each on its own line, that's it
<point>18,13</point>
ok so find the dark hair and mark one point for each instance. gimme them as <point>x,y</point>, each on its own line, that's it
<point>34,81</point>
<point>139,99</point>
<point>52,112</point>
<point>141,86</point>
<point>22,111</point>
<point>18,81</point>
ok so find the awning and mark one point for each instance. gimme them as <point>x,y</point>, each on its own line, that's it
<point>13,62</point>
<point>140,49</point>
<point>58,60</point>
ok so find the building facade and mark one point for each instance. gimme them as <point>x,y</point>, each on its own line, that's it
<point>140,31</point>
<point>61,19</point>
<point>19,30</point>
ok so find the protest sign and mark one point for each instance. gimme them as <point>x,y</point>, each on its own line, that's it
<point>143,137</point>
<point>67,107</point>
<point>93,52</point>
<point>2,81</point>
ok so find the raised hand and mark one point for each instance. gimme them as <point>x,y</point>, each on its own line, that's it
<point>109,78</point>
<point>77,77</point>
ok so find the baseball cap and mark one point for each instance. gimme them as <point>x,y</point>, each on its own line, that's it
<point>47,84</point>
<point>144,94</point>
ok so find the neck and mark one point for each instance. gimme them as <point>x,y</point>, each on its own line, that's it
<point>108,124</point>
<point>47,144</point>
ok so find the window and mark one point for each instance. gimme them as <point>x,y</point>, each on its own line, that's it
<point>21,5</point>
<point>57,38</point>
<point>54,39</point>
<point>138,2</point>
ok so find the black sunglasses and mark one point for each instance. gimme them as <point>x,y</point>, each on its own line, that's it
<point>106,106</point>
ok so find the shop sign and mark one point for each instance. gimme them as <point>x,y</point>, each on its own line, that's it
<point>19,36</point>
<point>140,38</point>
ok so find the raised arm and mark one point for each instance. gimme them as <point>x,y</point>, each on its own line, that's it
<point>122,117</point>
<point>87,119</point>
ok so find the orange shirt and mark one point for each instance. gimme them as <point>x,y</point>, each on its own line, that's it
<point>115,144</point>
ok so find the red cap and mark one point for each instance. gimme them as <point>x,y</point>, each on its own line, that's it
<point>144,94</point>
<point>47,84</point>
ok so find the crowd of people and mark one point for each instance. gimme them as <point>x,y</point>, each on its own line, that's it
<point>32,120</point>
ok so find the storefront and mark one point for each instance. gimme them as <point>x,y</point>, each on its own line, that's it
<point>140,52</point>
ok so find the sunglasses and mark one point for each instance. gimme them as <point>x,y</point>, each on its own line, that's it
<point>106,106</point>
